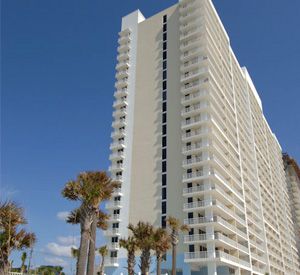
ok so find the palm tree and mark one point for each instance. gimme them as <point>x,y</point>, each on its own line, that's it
<point>143,233</point>
<point>162,243</point>
<point>99,221</point>
<point>11,236</point>
<point>103,251</point>
<point>130,244</point>
<point>175,226</point>
<point>90,189</point>
<point>23,259</point>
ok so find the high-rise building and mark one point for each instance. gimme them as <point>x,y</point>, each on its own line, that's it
<point>190,140</point>
<point>292,172</point>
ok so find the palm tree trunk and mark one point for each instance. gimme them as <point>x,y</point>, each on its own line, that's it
<point>174,247</point>
<point>145,262</point>
<point>83,248</point>
<point>92,247</point>
<point>158,264</point>
<point>131,263</point>
<point>102,266</point>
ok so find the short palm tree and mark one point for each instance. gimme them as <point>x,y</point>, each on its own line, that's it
<point>23,259</point>
<point>175,226</point>
<point>143,234</point>
<point>130,244</point>
<point>103,251</point>
<point>90,189</point>
<point>162,243</point>
<point>11,236</point>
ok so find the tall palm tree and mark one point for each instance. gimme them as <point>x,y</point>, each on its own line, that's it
<point>103,251</point>
<point>23,259</point>
<point>143,233</point>
<point>90,189</point>
<point>11,236</point>
<point>162,243</point>
<point>130,244</point>
<point>175,226</point>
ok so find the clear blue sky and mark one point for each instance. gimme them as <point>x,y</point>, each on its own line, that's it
<point>58,59</point>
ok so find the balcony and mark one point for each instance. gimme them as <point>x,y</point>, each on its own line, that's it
<point>113,205</point>
<point>124,39</point>
<point>195,109</point>
<point>117,145</point>
<point>117,178</point>
<point>120,112</point>
<point>191,15</point>
<point>195,205</point>
<point>119,102</point>
<point>198,238</point>
<point>116,167</point>
<point>194,135</point>
<point>119,123</point>
<point>122,74</point>
<point>189,5</point>
<point>193,75</point>
<point>115,218</point>
<point>116,155</point>
<point>195,121</point>
<point>193,54</point>
<point>123,48</point>
<point>123,65</point>
<point>111,232</point>
<point>111,261</point>
<point>194,147</point>
<point>114,246</point>
<point>122,83</point>
<point>192,33</point>
<point>123,56</point>
<point>195,86</point>
<point>193,162</point>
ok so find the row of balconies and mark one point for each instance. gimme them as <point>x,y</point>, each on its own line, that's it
<point>200,238</point>
<point>202,221</point>
<point>218,255</point>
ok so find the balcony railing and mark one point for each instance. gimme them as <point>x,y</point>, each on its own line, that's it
<point>196,204</point>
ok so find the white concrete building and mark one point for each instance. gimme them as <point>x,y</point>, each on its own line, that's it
<point>292,172</point>
<point>190,140</point>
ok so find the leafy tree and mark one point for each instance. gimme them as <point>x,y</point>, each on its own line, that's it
<point>130,244</point>
<point>90,189</point>
<point>143,234</point>
<point>175,226</point>
<point>11,236</point>
<point>162,243</point>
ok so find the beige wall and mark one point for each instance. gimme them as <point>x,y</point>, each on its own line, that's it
<point>145,193</point>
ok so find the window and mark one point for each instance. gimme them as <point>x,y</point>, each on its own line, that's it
<point>113,254</point>
<point>164,207</point>
<point>114,239</point>
<point>164,55</point>
<point>164,64</point>
<point>164,118</point>
<point>164,85</point>
<point>164,141</point>
<point>165,18</point>
<point>164,193</point>
<point>164,36</point>
<point>116,211</point>
<point>164,129</point>
<point>164,154</point>
<point>164,94</point>
<point>164,27</point>
<point>163,221</point>
<point>115,225</point>
<point>164,166</point>
<point>164,46</point>
<point>191,248</point>
<point>190,215</point>
<point>164,106</point>
<point>164,179</point>
<point>164,75</point>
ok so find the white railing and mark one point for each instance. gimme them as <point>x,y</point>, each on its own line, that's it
<point>193,175</point>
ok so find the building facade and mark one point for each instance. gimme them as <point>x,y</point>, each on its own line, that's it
<point>292,172</point>
<point>190,140</point>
